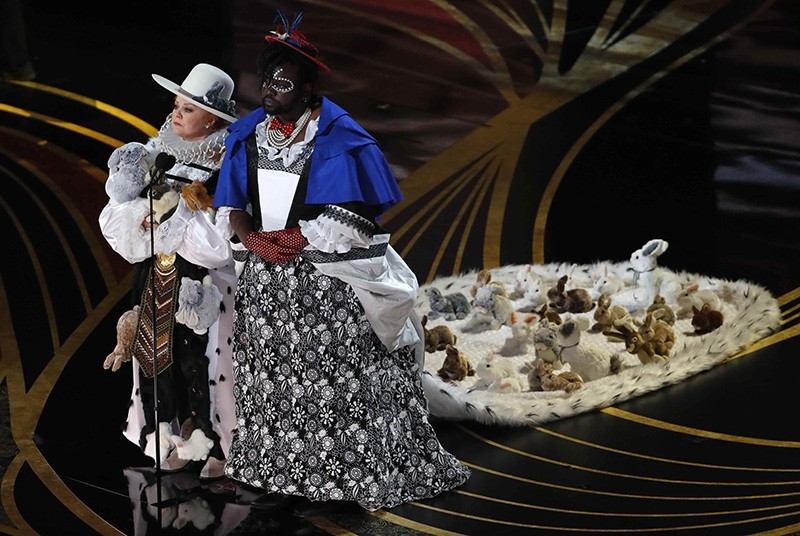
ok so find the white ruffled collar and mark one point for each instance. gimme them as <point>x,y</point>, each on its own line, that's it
<point>207,152</point>
<point>288,154</point>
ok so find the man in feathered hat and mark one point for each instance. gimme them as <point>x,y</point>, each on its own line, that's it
<point>327,347</point>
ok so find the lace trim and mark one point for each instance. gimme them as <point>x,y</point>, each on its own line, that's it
<point>296,166</point>
<point>241,255</point>
<point>207,152</point>
<point>375,250</point>
<point>350,219</point>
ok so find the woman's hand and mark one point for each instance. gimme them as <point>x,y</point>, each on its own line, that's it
<point>196,196</point>
<point>149,221</point>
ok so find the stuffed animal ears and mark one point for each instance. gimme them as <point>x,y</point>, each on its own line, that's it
<point>655,247</point>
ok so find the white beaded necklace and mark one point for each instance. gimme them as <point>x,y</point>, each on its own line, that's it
<point>276,138</point>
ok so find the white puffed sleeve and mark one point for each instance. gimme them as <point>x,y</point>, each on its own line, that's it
<point>121,225</point>
<point>194,236</point>
<point>170,232</point>
<point>337,231</point>
<point>204,243</point>
<point>223,221</point>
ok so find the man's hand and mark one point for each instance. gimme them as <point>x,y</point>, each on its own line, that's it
<point>276,246</point>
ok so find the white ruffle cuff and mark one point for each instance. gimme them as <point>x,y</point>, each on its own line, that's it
<point>337,231</point>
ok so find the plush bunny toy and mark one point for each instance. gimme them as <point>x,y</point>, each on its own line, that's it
<point>648,279</point>
<point>126,332</point>
<point>198,304</point>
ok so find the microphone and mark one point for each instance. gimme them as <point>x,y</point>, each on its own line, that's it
<point>163,163</point>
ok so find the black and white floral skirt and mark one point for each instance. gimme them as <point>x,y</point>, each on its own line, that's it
<point>323,409</point>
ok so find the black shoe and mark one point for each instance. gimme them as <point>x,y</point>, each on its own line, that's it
<point>25,72</point>
<point>308,508</point>
<point>308,530</point>
<point>271,500</point>
<point>222,486</point>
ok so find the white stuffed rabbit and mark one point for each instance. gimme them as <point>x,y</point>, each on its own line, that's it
<point>493,368</point>
<point>648,279</point>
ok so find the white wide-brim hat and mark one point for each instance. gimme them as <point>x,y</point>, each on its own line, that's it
<point>208,87</point>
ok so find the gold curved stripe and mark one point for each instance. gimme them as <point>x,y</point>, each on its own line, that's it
<point>434,208</point>
<point>624,514</point>
<point>444,198</point>
<point>409,524</point>
<point>508,156</point>
<point>22,428</point>
<point>543,209</point>
<point>475,201</point>
<point>65,495</point>
<point>11,373</point>
<point>562,487</point>
<point>437,203</point>
<point>666,460</point>
<point>77,216</point>
<point>26,408</point>
<point>329,526</point>
<point>480,193</point>
<point>603,530</point>
<point>792,318</point>
<point>788,530</point>
<point>718,436</point>
<point>80,163</point>
<point>66,125</point>
<point>498,77</point>
<point>9,501</point>
<point>499,140</point>
<point>54,225</point>
<point>769,340</point>
<point>131,119</point>
<point>574,466</point>
<point>38,273</point>
<point>789,297</point>
<point>41,388</point>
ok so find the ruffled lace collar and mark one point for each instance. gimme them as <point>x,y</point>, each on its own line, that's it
<point>207,152</point>
<point>288,154</point>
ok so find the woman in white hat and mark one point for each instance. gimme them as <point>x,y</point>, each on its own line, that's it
<point>159,217</point>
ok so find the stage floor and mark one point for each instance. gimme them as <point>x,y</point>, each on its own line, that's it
<point>521,132</point>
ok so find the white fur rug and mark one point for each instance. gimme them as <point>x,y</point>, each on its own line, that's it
<point>750,313</point>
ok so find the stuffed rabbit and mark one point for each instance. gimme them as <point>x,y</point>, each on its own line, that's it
<point>648,279</point>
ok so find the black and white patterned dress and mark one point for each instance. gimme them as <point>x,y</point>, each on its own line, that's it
<point>324,410</point>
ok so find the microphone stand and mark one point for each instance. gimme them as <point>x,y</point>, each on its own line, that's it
<point>163,162</point>
<point>154,305</point>
<point>158,173</point>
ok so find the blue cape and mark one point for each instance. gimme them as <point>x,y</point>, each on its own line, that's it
<point>346,166</point>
